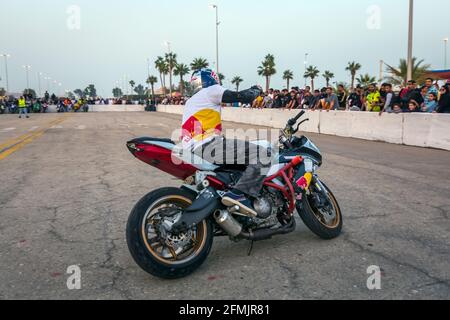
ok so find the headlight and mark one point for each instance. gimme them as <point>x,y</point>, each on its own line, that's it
<point>309,165</point>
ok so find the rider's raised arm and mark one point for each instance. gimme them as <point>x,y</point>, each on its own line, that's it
<point>246,96</point>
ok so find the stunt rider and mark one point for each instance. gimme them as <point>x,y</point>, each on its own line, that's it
<point>202,135</point>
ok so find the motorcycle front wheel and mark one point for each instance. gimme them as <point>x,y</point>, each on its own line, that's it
<point>320,212</point>
<point>154,248</point>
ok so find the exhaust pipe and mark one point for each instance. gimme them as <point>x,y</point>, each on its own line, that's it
<point>265,234</point>
<point>229,224</point>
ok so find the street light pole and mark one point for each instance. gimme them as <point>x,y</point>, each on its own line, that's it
<point>27,71</point>
<point>445,52</point>
<point>6,56</point>
<point>306,64</point>
<point>148,76</point>
<point>48,83</point>
<point>381,70</point>
<point>39,83</point>
<point>169,46</point>
<point>167,43</point>
<point>410,41</point>
<point>215,6</point>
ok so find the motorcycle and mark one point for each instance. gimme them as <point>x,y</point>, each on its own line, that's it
<point>170,231</point>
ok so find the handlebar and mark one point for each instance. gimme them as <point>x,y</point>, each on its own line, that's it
<point>293,121</point>
<point>299,115</point>
<point>290,131</point>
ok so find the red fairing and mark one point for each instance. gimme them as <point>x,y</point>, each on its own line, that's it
<point>161,158</point>
<point>216,183</point>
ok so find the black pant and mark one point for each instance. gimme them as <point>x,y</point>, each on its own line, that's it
<point>221,151</point>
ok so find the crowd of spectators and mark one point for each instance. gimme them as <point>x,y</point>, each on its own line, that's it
<point>429,98</point>
<point>176,100</point>
<point>13,105</point>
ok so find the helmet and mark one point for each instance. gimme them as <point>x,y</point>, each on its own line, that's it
<point>204,78</point>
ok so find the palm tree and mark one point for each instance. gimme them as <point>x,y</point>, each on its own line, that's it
<point>181,70</point>
<point>398,76</point>
<point>151,81</point>
<point>221,78</point>
<point>199,63</point>
<point>366,80</point>
<point>312,72</point>
<point>132,84</point>
<point>171,61</point>
<point>353,68</point>
<point>328,75</point>
<point>161,66</point>
<point>237,82</point>
<point>117,92</point>
<point>267,69</point>
<point>288,75</point>
<point>140,90</point>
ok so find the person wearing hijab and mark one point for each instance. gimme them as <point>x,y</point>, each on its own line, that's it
<point>444,101</point>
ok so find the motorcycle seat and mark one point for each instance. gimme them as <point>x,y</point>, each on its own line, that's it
<point>186,157</point>
<point>149,140</point>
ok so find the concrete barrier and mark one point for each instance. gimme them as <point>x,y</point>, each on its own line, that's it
<point>117,108</point>
<point>106,108</point>
<point>439,136</point>
<point>421,130</point>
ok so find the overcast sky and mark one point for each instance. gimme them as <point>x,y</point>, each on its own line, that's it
<point>115,38</point>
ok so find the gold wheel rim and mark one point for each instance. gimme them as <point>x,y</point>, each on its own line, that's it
<point>337,220</point>
<point>200,233</point>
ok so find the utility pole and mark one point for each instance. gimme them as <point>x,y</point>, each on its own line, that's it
<point>410,40</point>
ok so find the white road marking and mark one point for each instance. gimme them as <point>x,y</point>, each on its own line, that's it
<point>33,129</point>
<point>57,127</point>
<point>8,129</point>
<point>82,127</point>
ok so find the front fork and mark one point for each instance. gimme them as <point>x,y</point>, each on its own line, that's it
<point>305,180</point>
<point>324,200</point>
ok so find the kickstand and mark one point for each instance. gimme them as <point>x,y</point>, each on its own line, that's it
<point>250,249</point>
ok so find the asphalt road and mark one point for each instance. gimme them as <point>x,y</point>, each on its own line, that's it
<point>68,184</point>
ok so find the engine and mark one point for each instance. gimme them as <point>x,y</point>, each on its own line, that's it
<point>269,207</point>
<point>271,210</point>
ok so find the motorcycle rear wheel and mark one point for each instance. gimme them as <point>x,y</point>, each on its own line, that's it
<point>153,255</point>
<point>313,217</point>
